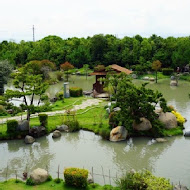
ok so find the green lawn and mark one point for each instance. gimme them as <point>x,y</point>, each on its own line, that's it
<point>159,74</point>
<point>11,185</point>
<point>67,103</point>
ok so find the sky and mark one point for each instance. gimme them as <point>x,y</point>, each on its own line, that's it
<point>82,18</point>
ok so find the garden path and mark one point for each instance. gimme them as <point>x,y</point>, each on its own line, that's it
<point>83,105</point>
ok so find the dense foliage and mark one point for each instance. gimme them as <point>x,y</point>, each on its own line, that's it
<point>136,103</point>
<point>75,91</point>
<point>167,71</point>
<point>29,80</point>
<point>12,126</point>
<point>76,177</point>
<point>143,180</point>
<point>101,49</point>
<point>43,119</point>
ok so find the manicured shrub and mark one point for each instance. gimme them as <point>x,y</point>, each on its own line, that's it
<point>143,180</point>
<point>167,71</point>
<point>43,119</point>
<point>60,95</point>
<point>75,91</point>
<point>73,125</point>
<point>30,182</point>
<point>76,177</point>
<point>12,126</point>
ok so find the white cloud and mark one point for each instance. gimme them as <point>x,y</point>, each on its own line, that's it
<point>88,17</point>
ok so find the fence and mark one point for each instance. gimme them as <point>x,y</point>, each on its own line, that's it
<point>106,178</point>
<point>110,177</point>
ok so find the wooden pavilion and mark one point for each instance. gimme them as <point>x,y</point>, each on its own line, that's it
<point>98,86</point>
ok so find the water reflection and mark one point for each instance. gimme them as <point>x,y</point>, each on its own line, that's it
<point>19,156</point>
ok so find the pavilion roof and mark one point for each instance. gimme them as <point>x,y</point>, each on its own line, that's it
<point>115,67</point>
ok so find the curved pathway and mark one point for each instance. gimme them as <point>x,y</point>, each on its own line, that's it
<point>83,105</point>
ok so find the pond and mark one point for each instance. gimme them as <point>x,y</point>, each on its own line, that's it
<point>74,80</point>
<point>85,149</point>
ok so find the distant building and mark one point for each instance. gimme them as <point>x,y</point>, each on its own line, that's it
<point>98,86</point>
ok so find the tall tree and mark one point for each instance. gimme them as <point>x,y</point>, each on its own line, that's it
<point>156,65</point>
<point>66,67</point>
<point>5,70</point>
<point>28,85</point>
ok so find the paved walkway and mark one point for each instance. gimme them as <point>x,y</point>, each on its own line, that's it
<point>85,104</point>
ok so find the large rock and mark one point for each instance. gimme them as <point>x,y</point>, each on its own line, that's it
<point>29,139</point>
<point>63,128</point>
<point>23,126</point>
<point>145,125</point>
<point>168,119</point>
<point>173,83</point>
<point>187,134</point>
<point>118,134</point>
<point>37,131</point>
<point>145,78</point>
<point>151,79</point>
<point>39,176</point>
<point>56,134</point>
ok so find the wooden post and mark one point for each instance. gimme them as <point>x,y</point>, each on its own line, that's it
<point>58,172</point>
<point>16,174</point>
<point>103,175</point>
<point>7,172</point>
<point>47,169</point>
<point>109,177</point>
<point>92,175</point>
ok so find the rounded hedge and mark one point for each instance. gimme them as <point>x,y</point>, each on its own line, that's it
<point>75,91</point>
<point>12,126</point>
<point>76,177</point>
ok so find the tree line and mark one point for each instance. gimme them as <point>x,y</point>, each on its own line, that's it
<point>136,52</point>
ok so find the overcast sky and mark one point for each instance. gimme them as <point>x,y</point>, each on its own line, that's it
<point>82,18</point>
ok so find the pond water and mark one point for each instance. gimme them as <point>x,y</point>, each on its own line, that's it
<point>85,149</point>
<point>74,80</point>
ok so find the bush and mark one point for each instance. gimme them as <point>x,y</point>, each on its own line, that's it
<point>49,178</point>
<point>75,91</point>
<point>167,71</point>
<point>105,133</point>
<point>57,180</point>
<point>12,126</point>
<point>30,182</point>
<point>113,119</point>
<point>73,125</point>
<point>60,95</point>
<point>59,75</point>
<point>99,68</point>
<point>76,177</point>
<point>3,112</point>
<point>179,117</point>
<point>43,119</point>
<point>143,180</point>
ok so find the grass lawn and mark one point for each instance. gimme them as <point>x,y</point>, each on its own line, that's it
<point>159,74</point>
<point>93,118</point>
<point>11,185</point>
<point>67,103</point>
